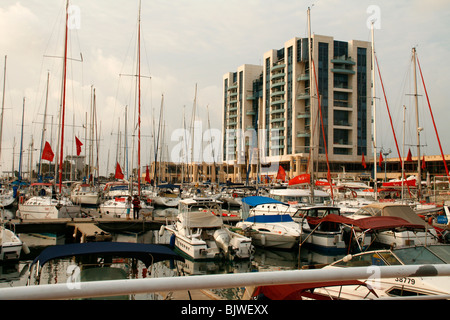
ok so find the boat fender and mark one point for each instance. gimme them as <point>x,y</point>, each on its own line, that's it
<point>21,199</point>
<point>263,240</point>
<point>161,230</point>
<point>25,248</point>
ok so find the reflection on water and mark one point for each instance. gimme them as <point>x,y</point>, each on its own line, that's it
<point>16,274</point>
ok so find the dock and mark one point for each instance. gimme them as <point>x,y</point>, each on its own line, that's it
<point>92,224</point>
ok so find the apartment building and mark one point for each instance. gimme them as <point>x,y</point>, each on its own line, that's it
<point>271,113</point>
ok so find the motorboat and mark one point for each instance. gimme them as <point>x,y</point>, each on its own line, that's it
<point>99,261</point>
<point>400,238</point>
<point>7,197</point>
<point>11,245</point>
<point>85,194</point>
<point>114,202</point>
<point>298,197</point>
<point>373,288</point>
<point>233,195</point>
<point>199,232</point>
<point>412,286</point>
<point>41,203</point>
<point>326,236</point>
<point>167,195</point>
<point>269,223</point>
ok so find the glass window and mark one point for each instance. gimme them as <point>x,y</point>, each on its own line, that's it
<point>417,255</point>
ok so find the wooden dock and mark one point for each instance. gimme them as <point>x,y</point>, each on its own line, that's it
<point>106,224</point>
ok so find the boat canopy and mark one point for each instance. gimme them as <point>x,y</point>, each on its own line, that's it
<point>299,291</point>
<point>253,201</point>
<point>169,186</point>
<point>373,223</point>
<point>391,210</point>
<point>147,253</point>
<point>200,219</point>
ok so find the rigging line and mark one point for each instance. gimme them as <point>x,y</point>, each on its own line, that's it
<point>432,117</point>
<point>390,119</point>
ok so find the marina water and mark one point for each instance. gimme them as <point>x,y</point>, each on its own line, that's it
<point>58,271</point>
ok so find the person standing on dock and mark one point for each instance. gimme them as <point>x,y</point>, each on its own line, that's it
<point>136,207</point>
<point>129,200</point>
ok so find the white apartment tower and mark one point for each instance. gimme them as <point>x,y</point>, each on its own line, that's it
<point>279,100</point>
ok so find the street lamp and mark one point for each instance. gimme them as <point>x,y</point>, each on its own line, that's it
<point>385,154</point>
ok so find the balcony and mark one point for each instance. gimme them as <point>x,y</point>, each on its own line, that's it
<point>277,102</point>
<point>251,113</point>
<point>276,120</point>
<point>277,93</point>
<point>342,69</point>
<point>278,67</point>
<point>303,77</point>
<point>303,115</point>
<point>303,96</point>
<point>303,134</point>
<point>278,76</point>
<point>343,60</point>
<point>275,111</point>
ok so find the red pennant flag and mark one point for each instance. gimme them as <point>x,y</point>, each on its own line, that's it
<point>381,160</point>
<point>79,144</point>
<point>364,161</point>
<point>303,178</point>
<point>119,174</point>
<point>147,175</point>
<point>281,174</point>
<point>409,156</point>
<point>424,165</point>
<point>47,153</point>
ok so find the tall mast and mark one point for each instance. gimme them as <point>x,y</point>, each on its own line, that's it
<point>139,100</point>
<point>374,109</point>
<point>3,107</point>
<point>21,143</point>
<point>419,169</point>
<point>63,100</point>
<point>311,100</point>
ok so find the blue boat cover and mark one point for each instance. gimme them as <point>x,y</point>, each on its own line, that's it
<point>147,253</point>
<point>257,200</point>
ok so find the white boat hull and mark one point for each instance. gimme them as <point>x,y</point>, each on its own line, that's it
<point>41,208</point>
<point>194,247</point>
<point>118,209</point>
<point>85,199</point>
<point>11,245</point>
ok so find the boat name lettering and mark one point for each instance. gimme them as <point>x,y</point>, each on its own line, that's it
<point>410,281</point>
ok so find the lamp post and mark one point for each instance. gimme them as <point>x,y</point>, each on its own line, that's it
<point>385,154</point>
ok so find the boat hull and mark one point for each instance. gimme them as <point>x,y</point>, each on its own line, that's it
<point>41,208</point>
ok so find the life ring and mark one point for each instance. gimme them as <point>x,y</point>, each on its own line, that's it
<point>235,195</point>
<point>354,195</point>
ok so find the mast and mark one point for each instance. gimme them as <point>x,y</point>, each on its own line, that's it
<point>21,143</point>
<point>374,109</point>
<point>311,99</point>
<point>416,100</point>
<point>3,106</point>
<point>63,99</point>
<point>139,100</point>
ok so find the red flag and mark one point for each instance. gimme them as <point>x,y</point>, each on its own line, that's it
<point>47,153</point>
<point>147,175</point>
<point>424,165</point>
<point>303,178</point>
<point>409,156</point>
<point>381,160</point>
<point>281,175</point>
<point>364,161</point>
<point>119,174</point>
<point>79,144</point>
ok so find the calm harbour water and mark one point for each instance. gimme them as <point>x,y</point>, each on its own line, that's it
<point>16,274</point>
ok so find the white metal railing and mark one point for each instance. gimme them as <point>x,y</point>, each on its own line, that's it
<point>139,286</point>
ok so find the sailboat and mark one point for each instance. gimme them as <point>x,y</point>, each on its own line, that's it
<point>42,204</point>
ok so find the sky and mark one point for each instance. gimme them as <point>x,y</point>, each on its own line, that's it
<point>189,44</point>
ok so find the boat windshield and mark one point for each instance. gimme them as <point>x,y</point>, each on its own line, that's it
<point>422,255</point>
<point>380,258</point>
<point>369,211</point>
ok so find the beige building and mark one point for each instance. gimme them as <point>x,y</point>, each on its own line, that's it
<point>271,112</point>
